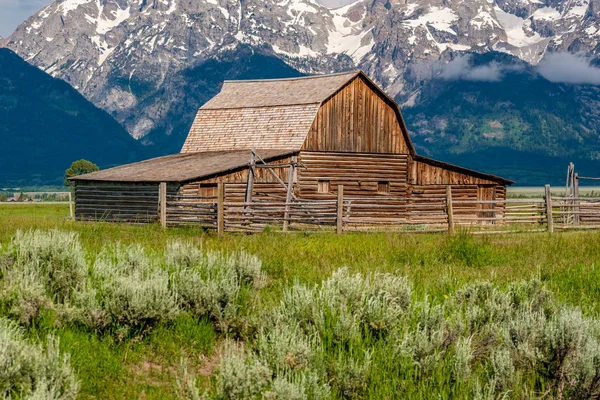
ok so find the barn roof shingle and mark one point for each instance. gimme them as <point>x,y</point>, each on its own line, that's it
<point>278,92</point>
<point>181,167</point>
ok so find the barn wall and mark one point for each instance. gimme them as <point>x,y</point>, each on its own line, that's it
<point>362,175</point>
<point>422,173</point>
<point>266,186</point>
<point>118,201</point>
<point>356,119</point>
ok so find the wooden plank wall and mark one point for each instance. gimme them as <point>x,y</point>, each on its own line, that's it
<point>359,173</point>
<point>356,119</point>
<point>266,186</point>
<point>422,173</point>
<point>118,201</point>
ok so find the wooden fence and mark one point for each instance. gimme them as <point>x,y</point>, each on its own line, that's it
<point>388,213</point>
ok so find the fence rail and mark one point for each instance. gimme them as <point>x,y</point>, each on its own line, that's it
<point>345,214</point>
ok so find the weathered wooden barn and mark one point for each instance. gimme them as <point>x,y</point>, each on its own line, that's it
<point>292,140</point>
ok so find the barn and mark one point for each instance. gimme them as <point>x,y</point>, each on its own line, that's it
<point>287,151</point>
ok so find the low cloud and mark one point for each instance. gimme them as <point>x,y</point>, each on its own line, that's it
<point>569,68</point>
<point>461,68</point>
<point>335,3</point>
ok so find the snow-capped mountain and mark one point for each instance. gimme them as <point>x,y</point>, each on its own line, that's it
<point>127,56</point>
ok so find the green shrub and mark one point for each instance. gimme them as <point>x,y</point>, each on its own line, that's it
<point>33,371</point>
<point>41,270</point>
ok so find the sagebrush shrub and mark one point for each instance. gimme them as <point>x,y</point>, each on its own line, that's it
<point>56,256</point>
<point>33,371</point>
<point>40,269</point>
<point>129,288</point>
<point>212,284</point>
<point>242,376</point>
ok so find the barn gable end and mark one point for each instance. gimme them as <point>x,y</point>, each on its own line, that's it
<point>359,118</point>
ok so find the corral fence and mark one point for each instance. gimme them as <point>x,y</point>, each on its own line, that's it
<point>346,214</point>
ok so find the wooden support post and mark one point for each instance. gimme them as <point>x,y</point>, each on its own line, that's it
<point>576,209</point>
<point>71,205</point>
<point>549,209</point>
<point>288,197</point>
<point>250,183</point>
<point>162,200</point>
<point>221,208</point>
<point>340,210</point>
<point>449,209</point>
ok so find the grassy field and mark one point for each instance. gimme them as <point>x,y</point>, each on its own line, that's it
<point>145,362</point>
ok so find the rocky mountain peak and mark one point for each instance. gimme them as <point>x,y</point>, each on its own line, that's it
<point>121,53</point>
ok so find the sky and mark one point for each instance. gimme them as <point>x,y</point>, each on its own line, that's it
<point>13,12</point>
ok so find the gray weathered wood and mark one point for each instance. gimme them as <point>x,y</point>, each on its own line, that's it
<point>288,197</point>
<point>549,209</point>
<point>221,208</point>
<point>162,200</point>
<point>449,209</point>
<point>340,210</point>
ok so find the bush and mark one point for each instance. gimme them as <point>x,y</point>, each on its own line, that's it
<point>41,269</point>
<point>125,287</point>
<point>33,371</point>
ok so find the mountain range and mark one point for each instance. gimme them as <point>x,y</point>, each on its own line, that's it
<point>45,124</point>
<point>473,77</point>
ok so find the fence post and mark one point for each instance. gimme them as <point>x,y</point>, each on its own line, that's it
<point>340,210</point>
<point>549,210</point>
<point>288,197</point>
<point>162,199</point>
<point>71,205</point>
<point>221,208</point>
<point>449,209</point>
<point>576,209</point>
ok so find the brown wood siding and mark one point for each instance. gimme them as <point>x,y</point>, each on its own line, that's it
<point>266,186</point>
<point>115,201</point>
<point>426,174</point>
<point>361,174</point>
<point>356,119</point>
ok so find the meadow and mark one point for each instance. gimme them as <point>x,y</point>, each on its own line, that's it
<point>153,313</point>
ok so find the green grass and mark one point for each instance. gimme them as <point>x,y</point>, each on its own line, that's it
<point>147,366</point>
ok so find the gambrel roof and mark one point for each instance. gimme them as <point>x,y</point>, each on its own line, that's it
<point>270,113</point>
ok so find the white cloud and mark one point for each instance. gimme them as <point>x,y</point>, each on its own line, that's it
<point>335,3</point>
<point>461,68</point>
<point>569,68</point>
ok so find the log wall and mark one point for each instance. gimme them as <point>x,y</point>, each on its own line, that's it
<point>362,175</point>
<point>266,186</point>
<point>118,201</point>
<point>357,119</point>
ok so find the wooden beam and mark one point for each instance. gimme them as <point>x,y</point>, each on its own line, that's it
<point>71,205</point>
<point>289,194</point>
<point>340,209</point>
<point>449,209</point>
<point>221,208</point>
<point>250,182</point>
<point>549,209</point>
<point>576,218</point>
<point>162,200</point>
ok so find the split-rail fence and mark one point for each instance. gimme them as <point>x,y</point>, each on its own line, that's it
<point>346,214</point>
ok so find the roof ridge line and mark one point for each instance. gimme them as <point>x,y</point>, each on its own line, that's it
<point>317,76</point>
<point>274,106</point>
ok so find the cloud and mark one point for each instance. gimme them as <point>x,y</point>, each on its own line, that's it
<point>461,68</point>
<point>335,3</point>
<point>568,68</point>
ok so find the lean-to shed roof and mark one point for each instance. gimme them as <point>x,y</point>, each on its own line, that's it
<point>181,167</point>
